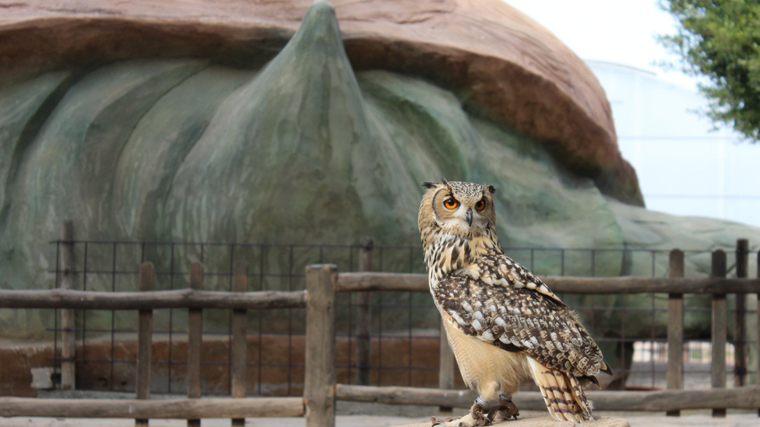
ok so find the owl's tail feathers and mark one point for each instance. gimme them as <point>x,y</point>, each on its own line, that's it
<point>562,394</point>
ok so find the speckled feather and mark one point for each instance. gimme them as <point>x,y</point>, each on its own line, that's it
<point>518,319</point>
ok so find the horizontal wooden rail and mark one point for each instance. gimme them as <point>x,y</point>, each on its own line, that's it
<point>144,409</point>
<point>358,282</point>
<point>747,397</point>
<point>180,298</point>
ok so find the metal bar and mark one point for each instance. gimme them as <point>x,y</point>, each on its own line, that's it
<point>260,315</point>
<point>409,313</point>
<point>290,323</point>
<point>171,321</point>
<point>144,342</point>
<point>113,319</point>
<point>239,344</point>
<point>84,312</point>
<point>364,316</point>
<point>194,342</point>
<point>55,314</point>
<point>68,335</point>
<point>229,319</point>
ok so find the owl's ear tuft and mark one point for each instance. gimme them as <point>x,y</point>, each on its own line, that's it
<point>491,189</point>
<point>429,185</point>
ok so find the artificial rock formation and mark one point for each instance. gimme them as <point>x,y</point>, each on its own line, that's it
<point>216,121</point>
<point>497,60</point>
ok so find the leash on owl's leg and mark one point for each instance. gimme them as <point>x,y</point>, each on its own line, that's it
<point>477,412</point>
<point>505,410</point>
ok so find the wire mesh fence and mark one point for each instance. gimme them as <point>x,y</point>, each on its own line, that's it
<point>404,332</point>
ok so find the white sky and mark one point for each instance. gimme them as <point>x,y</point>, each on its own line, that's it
<point>618,31</point>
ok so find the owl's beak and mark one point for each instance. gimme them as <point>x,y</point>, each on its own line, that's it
<point>468,215</point>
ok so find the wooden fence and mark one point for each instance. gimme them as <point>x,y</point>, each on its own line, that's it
<point>321,391</point>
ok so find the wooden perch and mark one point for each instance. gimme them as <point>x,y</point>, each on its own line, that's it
<point>747,397</point>
<point>547,421</point>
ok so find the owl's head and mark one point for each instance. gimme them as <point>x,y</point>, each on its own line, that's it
<point>462,209</point>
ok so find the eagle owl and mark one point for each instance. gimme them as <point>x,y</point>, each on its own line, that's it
<point>502,322</point>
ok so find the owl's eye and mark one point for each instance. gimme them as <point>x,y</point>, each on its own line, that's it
<point>450,203</point>
<point>480,205</point>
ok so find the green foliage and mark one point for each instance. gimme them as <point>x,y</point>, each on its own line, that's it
<point>720,40</point>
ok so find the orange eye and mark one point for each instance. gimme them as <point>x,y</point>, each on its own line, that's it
<point>480,205</point>
<point>450,203</point>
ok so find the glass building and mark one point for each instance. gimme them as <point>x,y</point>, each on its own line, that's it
<point>684,166</point>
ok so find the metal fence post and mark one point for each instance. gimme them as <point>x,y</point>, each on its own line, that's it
<point>194,341</point>
<point>319,382</point>
<point>718,369</point>
<point>740,332</point>
<point>239,346</point>
<point>364,317</point>
<point>675,328</point>
<point>144,341</point>
<point>68,332</point>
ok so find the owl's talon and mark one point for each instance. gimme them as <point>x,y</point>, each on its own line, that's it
<point>505,410</point>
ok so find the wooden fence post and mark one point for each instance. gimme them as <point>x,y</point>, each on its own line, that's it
<point>675,328</point>
<point>364,317</point>
<point>68,332</point>
<point>239,346</point>
<point>719,327</point>
<point>446,365</point>
<point>194,341</point>
<point>144,341</point>
<point>740,332</point>
<point>319,383</point>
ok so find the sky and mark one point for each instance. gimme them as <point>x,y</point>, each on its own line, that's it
<point>618,31</point>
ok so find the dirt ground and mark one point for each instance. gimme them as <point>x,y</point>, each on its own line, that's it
<point>636,419</point>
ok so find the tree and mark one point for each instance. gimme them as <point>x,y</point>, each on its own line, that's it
<point>720,39</point>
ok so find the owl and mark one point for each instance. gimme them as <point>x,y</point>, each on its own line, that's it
<point>502,322</point>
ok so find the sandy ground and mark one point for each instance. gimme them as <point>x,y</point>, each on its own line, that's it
<point>636,419</point>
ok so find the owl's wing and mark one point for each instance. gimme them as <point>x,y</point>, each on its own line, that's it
<point>501,270</point>
<point>518,318</point>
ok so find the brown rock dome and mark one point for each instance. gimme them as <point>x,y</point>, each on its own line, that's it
<point>499,62</point>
